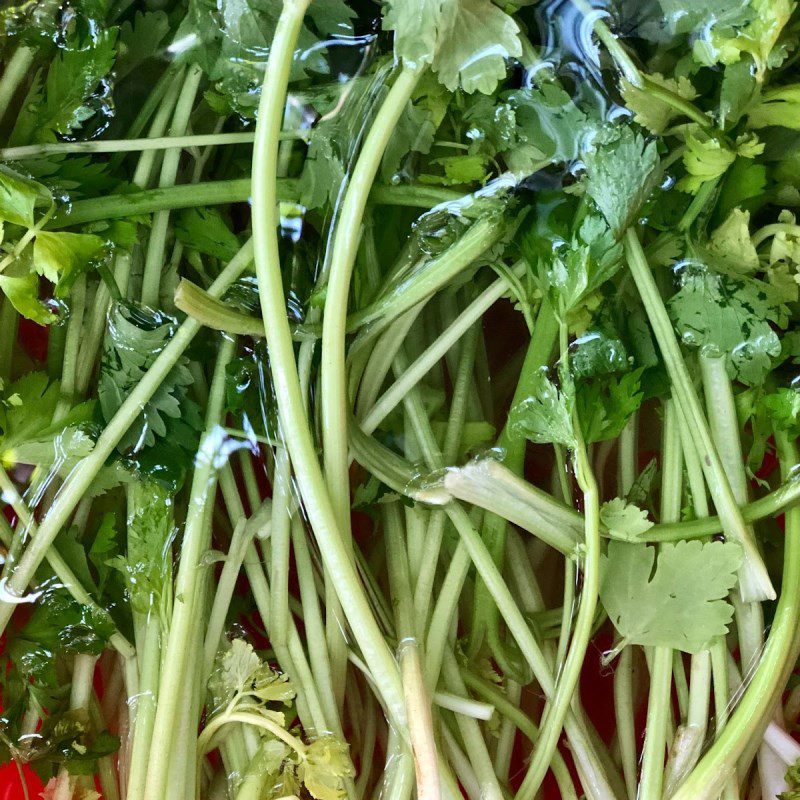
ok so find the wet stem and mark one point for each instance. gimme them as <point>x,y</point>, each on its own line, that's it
<point>291,407</point>
<point>558,706</point>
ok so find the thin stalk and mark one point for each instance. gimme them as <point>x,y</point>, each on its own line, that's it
<point>567,612</point>
<point>464,705</point>
<point>596,782</point>
<point>17,69</point>
<point>540,347</point>
<point>455,424</point>
<point>154,259</point>
<point>280,552</point>
<point>368,747</point>
<point>399,575</point>
<point>699,202</point>
<point>609,39</point>
<point>749,616</point>
<point>214,193</point>
<point>143,707</point>
<point>334,402</point>
<point>507,735</point>
<point>627,467</point>
<point>558,706</point>
<point>658,704</point>
<point>725,432</point>
<point>291,406</point>
<point>314,626</point>
<point>431,277</point>
<point>137,145</point>
<point>309,707</point>
<point>784,497</point>
<point>243,534</point>
<point>471,735</point>
<point>377,359</point>
<point>444,612</point>
<point>652,776</point>
<point>420,722</point>
<point>493,486</point>
<point>147,161</point>
<point>460,763</point>
<point>754,581</point>
<point>624,714</point>
<point>195,302</point>
<point>95,328</point>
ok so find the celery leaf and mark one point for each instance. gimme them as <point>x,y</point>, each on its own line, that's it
<point>681,603</point>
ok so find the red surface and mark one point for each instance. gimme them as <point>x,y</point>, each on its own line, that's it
<point>11,787</point>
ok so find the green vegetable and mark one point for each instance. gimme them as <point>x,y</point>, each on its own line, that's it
<point>365,367</point>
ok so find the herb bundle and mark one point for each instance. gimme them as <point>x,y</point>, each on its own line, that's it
<point>372,376</point>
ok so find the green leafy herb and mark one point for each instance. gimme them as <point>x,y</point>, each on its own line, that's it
<point>620,173</point>
<point>674,600</point>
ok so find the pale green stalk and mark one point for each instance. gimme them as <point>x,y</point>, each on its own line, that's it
<point>460,764</point>
<point>293,418</point>
<point>146,164</point>
<point>627,467</point>
<point>368,738</point>
<point>658,703</point>
<point>309,707</point>
<point>169,170</point>
<point>443,613</point>
<point>279,549</point>
<point>558,705</point>
<point>195,543</point>
<point>334,402</point>
<point>507,735</point>
<point>420,720</point>
<point>374,364</point>
<point>624,714</point>
<point>136,145</point>
<point>430,278</point>
<point>725,432</point>
<point>9,321</point>
<point>17,69</point>
<point>243,534</point>
<point>524,724</point>
<point>314,626</point>
<point>143,707</point>
<point>471,735</point>
<point>429,558</point>
<point>96,325</point>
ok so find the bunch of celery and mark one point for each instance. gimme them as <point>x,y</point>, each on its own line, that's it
<point>370,374</point>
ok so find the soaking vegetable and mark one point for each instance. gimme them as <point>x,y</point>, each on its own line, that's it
<point>400,400</point>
